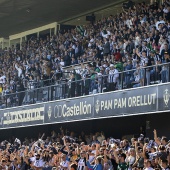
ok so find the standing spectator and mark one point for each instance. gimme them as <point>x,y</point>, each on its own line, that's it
<point>82,161</point>
<point>106,47</point>
<point>71,85</point>
<point>64,164</point>
<point>98,164</point>
<point>120,160</point>
<point>112,78</point>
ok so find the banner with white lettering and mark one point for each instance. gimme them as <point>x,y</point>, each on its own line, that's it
<point>164,97</point>
<point>22,116</point>
<point>69,110</point>
<point>126,102</point>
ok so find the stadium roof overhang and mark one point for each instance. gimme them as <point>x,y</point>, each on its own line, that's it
<point>17,16</point>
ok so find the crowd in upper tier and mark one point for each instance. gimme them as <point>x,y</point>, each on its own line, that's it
<point>134,39</point>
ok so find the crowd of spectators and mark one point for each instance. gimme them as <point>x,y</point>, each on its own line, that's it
<point>85,152</point>
<point>134,39</point>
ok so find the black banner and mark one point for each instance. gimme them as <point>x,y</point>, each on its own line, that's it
<point>164,97</point>
<point>126,102</point>
<point>119,103</point>
<point>69,110</point>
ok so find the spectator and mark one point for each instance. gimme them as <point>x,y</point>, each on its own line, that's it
<point>71,152</point>
<point>98,164</point>
<point>138,35</point>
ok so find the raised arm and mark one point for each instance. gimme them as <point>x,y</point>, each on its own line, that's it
<point>156,137</point>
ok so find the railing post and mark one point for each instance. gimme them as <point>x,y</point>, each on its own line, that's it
<point>33,96</point>
<point>121,77</point>
<point>144,84</point>
<point>101,85</point>
<point>168,72</point>
<point>52,91</point>
<point>48,93</point>
<point>6,101</point>
<point>81,87</point>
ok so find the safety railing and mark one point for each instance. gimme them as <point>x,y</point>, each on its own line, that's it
<point>141,76</point>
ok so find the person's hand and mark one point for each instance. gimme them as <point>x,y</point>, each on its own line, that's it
<point>154,131</point>
<point>145,145</point>
<point>97,145</point>
<point>86,147</point>
<point>105,152</point>
<point>135,143</point>
<point>87,156</point>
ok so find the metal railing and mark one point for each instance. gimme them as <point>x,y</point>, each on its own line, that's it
<point>142,76</point>
<point>38,83</point>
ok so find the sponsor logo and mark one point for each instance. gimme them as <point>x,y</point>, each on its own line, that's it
<point>166,96</point>
<point>49,112</point>
<point>70,111</point>
<point>97,106</point>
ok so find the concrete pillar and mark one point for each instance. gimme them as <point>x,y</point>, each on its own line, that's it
<point>20,43</point>
<point>50,32</point>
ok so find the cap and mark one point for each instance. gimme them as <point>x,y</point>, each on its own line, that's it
<point>111,65</point>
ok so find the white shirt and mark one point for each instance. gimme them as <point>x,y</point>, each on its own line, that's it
<point>113,75</point>
<point>128,23</point>
<point>150,168</point>
<point>32,159</point>
<point>38,163</point>
<point>62,63</point>
<point>64,164</point>
<point>130,160</point>
<point>144,60</point>
<point>19,70</point>
<point>2,79</point>
<point>165,10</point>
<point>91,157</point>
<point>159,22</point>
<point>81,164</point>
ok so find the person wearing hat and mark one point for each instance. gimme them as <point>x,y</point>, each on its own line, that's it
<point>112,78</point>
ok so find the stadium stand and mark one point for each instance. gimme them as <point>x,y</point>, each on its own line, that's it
<point>68,150</point>
<point>128,50</point>
<point>123,51</point>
